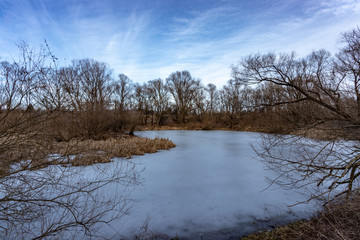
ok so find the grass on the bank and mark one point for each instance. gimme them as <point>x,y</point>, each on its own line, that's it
<point>339,220</point>
<point>101,151</point>
<point>30,153</point>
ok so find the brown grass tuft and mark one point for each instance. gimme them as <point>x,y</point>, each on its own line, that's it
<point>339,220</point>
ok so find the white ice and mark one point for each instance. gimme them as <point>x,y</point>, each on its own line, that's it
<point>211,184</point>
<point>211,181</point>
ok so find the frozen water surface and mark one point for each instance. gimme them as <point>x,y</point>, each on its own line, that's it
<point>210,186</point>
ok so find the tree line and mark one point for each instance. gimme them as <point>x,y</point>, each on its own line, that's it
<point>85,100</point>
<point>289,93</point>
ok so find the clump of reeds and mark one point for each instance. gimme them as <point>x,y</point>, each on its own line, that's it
<point>90,158</point>
<point>100,151</point>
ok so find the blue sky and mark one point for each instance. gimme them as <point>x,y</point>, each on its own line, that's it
<point>148,39</point>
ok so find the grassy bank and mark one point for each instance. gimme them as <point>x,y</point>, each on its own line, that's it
<point>340,220</point>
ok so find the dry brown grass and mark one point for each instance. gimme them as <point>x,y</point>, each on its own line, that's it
<point>32,152</point>
<point>339,220</point>
<point>29,150</point>
<point>100,151</point>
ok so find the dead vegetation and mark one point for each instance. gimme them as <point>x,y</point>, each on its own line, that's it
<point>101,151</point>
<point>82,153</point>
<point>32,152</point>
<point>339,220</point>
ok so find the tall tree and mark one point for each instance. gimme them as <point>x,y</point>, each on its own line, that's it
<point>212,98</point>
<point>159,94</point>
<point>231,101</point>
<point>347,65</point>
<point>199,104</point>
<point>124,90</point>
<point>182,88</point>
<point>142,103</point>
<point>89,85</point>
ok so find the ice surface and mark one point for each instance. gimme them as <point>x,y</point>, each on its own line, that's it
<point>212,181</point>
<point>211,186</point>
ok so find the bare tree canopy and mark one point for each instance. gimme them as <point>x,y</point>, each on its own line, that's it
<point>347,65</point>
<point>182,87</point>
<point>331,85</point>
<point>212,97</point>
<point>124,88</point>
<point>159,95</point>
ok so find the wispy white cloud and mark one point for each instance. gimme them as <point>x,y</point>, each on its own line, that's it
<point>318,26</point>
<point>198,22</point>
<point>125,48</point>
<point>205,41</point>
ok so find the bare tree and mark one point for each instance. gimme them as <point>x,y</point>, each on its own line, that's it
<point>347,64</point>
<point>315,79</point>
<point>89,87</point>
<point>95,79</point>
<point>199,105</point>
<point>231,101</point>
<point>20,124</point>
<point>124,89</point>
<point>142,102</point>
<point>159,95</point>
<point>212,98</point>
<point>182,87</point>
<point>50,93</point>
<point>310,78</point>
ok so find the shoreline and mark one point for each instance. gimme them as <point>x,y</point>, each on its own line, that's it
<point>323,222</point>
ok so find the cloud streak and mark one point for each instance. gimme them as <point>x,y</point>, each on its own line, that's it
<point>150,40</point>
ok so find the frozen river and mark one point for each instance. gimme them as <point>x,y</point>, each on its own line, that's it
<point>211,186</point>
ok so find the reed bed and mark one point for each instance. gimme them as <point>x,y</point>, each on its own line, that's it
<point>101,151</point>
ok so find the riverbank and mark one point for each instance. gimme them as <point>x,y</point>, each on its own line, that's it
<point>339,220</point>
<point>325,134</point>
<point>198,127</point>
